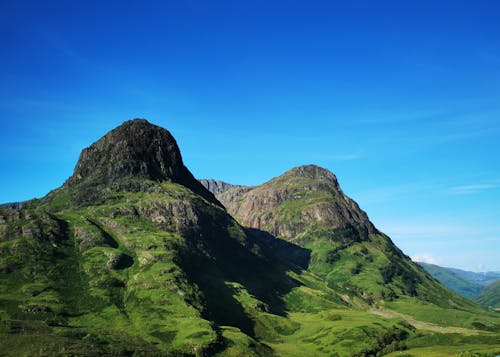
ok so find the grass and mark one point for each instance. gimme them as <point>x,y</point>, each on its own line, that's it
<point>476,318</point>
<point>340,332</point>
<point>490,297</point>
<point>166,272</point>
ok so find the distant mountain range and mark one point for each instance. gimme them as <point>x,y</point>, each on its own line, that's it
<point>482,278</point>
<point>481,287</point>
<point>134,256</point>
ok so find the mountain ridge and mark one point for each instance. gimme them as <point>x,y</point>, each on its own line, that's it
<point>130,256</point>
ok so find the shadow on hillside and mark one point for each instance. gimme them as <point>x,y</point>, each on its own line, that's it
<point>295,256</point>
<point>227,271</point>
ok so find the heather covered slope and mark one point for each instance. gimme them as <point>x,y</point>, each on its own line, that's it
<point>133,256</point>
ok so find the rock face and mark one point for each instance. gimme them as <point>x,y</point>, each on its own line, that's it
<point>136,150</point>
<point>216,186</point>
<point>287,205</point>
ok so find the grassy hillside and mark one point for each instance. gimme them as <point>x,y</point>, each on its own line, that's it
<point>129,276</point>
<point>103,279</point>
<point>490,297</point>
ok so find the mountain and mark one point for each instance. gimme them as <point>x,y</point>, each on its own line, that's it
<point>130,254</point>
<point>490,296</point>
<point>127,158</point>
<point>459,283</point>
<point>306,206</point>
<point>133,256</point>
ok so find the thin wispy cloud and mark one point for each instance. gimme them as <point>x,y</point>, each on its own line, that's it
<point>471,189</point>
<point>425,258</point>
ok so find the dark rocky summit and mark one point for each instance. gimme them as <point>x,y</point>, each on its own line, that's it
<point>127,156</point>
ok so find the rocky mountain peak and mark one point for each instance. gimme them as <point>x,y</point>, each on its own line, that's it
<point>136,149</point>
<point>288,205</point>
<point>312,174</point>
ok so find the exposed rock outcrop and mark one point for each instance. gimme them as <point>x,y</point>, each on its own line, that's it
<point>216,186</point>
<point>129,154</point>
<point>286,205</point>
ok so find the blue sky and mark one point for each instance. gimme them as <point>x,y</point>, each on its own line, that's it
<point>401,100</point>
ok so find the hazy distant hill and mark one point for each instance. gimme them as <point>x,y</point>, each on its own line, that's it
<point>483,278</point>
<point>467,283</point>
<point>453,281</point>
<point>490,296</point>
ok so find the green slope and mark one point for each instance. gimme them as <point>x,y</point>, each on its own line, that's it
<point>453,281</point>
<point>490,296</point>
<point>116,279</point>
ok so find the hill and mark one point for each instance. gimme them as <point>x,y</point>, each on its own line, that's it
<point>133,256</point>
<point>306,206</point>
<point>490,296</point>
<point>459,283</point>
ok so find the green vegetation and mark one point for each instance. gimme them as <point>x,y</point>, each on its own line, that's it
<point>131,276</point>
<point>490,297</point>
<point>99,278</point>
